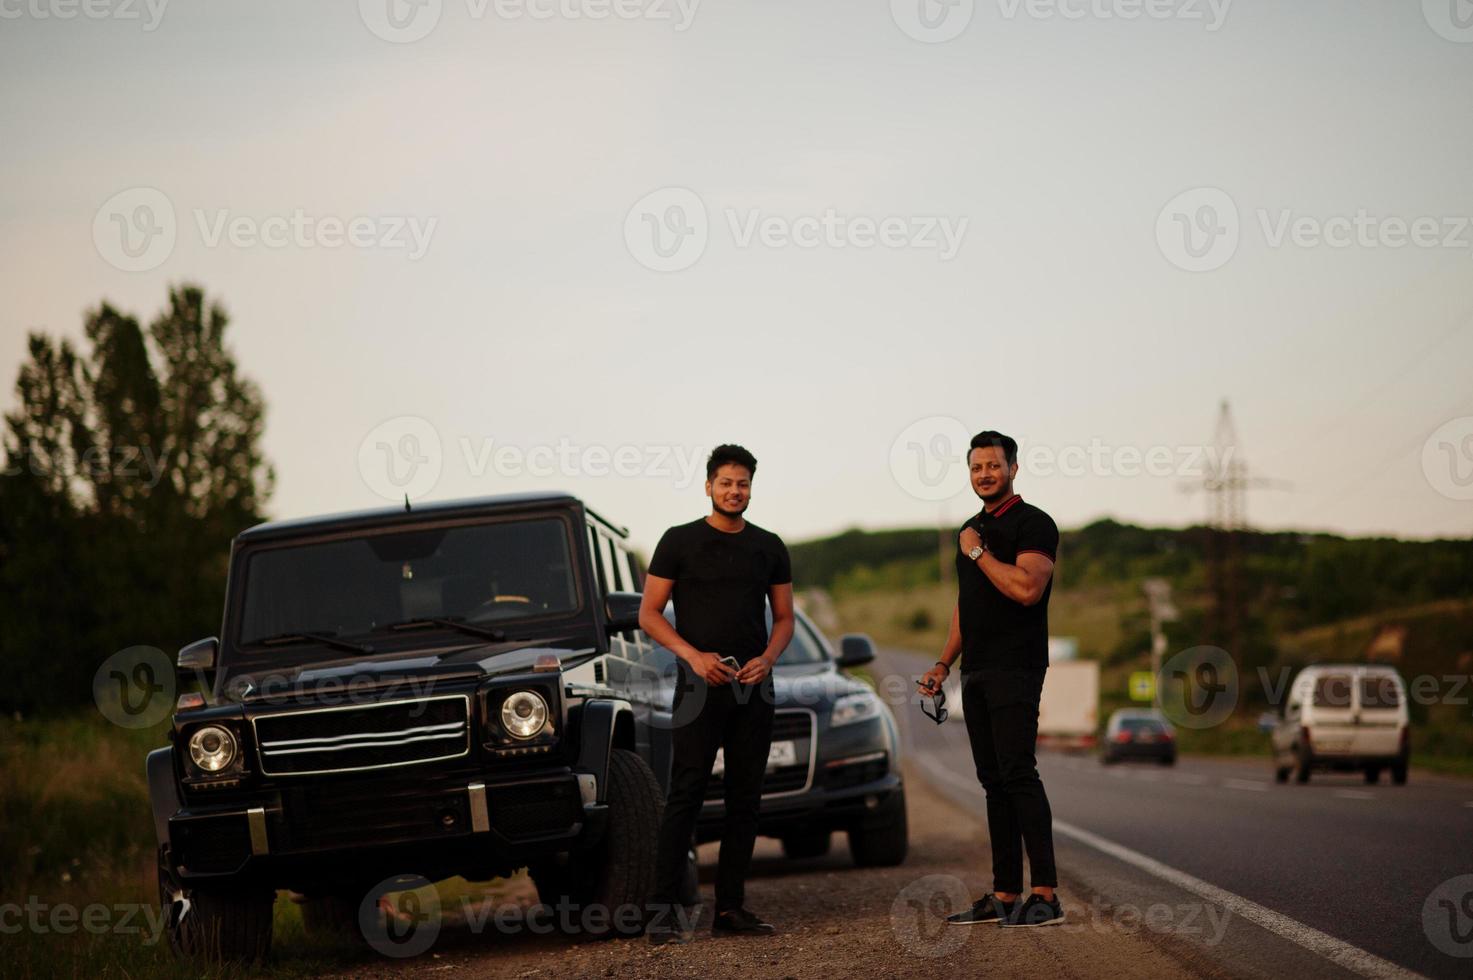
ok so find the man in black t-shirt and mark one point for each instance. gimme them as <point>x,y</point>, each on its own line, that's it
<point>722,573</point>
<point>1004,573</point>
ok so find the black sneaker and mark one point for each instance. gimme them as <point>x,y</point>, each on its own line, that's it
<point>740,922</point>
<point>1036,911</point>
<point>988,908</point>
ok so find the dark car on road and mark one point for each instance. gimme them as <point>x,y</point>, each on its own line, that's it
<point>1141,735</point>
<point>834,764</point>
<point>399,693</point>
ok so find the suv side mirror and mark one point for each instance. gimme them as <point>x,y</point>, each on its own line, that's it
<point>198,658</point>
<point>855,650</point>
<point>621,611</point>
<point>1267,722</point>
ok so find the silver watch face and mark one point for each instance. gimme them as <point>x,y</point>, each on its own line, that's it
<point>975,553</point>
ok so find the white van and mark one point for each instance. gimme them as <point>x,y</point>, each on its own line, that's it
<point>1343,717</point>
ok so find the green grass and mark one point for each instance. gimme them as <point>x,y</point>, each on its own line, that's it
<point>78,832</point>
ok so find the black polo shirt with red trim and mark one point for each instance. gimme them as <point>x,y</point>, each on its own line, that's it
<point>996,631</point>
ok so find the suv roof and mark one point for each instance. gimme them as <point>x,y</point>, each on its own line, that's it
<point>378,516</point>
<point>1325,668</point>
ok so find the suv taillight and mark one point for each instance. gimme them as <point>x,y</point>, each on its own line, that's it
<point>1304,738</point>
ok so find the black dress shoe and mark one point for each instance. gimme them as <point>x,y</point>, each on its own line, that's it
<point>740,922</point>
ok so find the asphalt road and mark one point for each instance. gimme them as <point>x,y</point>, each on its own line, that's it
<point>1352,861</point>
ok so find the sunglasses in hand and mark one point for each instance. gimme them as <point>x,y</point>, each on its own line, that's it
<point>938,712</point>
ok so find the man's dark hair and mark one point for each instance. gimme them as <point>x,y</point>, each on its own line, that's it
<point>1007,444</point>
<point>730,453</point>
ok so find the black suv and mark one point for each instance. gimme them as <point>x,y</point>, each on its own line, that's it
<point>401,692</point>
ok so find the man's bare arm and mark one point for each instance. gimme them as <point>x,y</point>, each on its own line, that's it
<point>1024,582</point>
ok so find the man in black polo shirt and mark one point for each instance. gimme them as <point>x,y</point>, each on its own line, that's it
<point>1005,564</point>
<point>722,572</point>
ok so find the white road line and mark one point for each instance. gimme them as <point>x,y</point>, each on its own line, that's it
<point>1337,951</point>
<point>1245,784</point>
<point>1354,794</point>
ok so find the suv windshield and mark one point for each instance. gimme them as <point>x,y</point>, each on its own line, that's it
<point>474,573</point>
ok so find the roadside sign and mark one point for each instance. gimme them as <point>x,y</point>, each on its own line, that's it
<point>1142,685</point>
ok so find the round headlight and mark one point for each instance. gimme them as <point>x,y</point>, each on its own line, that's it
<point>524,714</point>
<point>212,748</point>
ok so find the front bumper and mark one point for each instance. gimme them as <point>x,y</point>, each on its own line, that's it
<point>845,797</point>
<point>449,824</point>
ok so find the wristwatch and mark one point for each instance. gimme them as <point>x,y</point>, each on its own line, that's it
<point>976,552</point>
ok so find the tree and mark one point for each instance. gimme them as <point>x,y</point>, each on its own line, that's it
<point>128,470</point>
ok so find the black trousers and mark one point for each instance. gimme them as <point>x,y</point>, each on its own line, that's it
<point>1001,709</point>
<point>736,718</point>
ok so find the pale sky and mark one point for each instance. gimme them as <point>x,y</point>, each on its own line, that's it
<point>1065,155</point>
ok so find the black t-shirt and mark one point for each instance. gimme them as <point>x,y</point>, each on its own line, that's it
<point>996,631</point>
<point>721,584</point>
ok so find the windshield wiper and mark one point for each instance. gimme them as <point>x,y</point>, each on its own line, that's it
<point>485,632</point>
<point>309,636</point>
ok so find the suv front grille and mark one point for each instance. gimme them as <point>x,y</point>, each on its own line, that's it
<point>789,725</point>
<point>357,737</point>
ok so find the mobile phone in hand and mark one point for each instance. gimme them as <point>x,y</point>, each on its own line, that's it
<point>731,662</point>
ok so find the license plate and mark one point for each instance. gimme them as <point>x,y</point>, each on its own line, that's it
<point>781,754</point>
